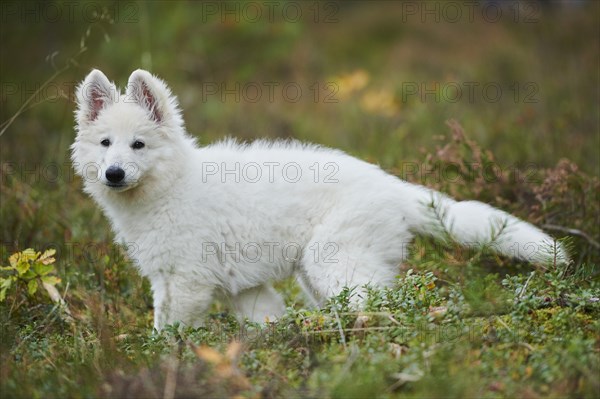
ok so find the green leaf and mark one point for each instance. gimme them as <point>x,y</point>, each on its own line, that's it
<point>5,283</point>
<point>52,280</point>
<point>3,293</point>
<point>28,275</point>
<point>32,287</point>
<point>22,267</point>
<point>42,269</point>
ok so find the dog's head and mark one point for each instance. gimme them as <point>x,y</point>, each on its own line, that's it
<point>125,140</point>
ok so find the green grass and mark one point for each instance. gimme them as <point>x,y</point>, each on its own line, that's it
<point>459,324</point>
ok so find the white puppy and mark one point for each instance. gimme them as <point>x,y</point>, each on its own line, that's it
<point>230,218</point>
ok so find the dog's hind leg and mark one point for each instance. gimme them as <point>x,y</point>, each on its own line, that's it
<point>259,304</point>
<point>350,253</point>
<point>353,269</point>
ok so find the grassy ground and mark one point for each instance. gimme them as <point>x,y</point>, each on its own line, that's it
<point>378,81</point>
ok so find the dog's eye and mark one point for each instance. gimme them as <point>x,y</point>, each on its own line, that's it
<point>105,142</point>
<point>137,145</point>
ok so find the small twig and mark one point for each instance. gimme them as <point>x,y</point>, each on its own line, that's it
<point>499,320</point>
<point>14,305</point>
<point>526,346</point>
<point>522,344</point>
<point>573,232</point>
<point>391,318</point>
<point>331,331</point>
<point>340,328</point>
<point>522,292</point>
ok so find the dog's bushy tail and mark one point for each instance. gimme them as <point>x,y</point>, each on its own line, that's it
<point>473,223</point>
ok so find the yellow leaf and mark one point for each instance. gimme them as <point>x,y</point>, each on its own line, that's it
<point>47,258</point>
<point>14,259</point>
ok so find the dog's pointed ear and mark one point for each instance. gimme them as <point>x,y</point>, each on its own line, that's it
<point>153,95</point>
<point>94,94</point>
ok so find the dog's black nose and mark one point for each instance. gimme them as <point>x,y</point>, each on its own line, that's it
<point>115,174</point>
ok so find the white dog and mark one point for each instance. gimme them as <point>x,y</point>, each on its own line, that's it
<point>230,218</point>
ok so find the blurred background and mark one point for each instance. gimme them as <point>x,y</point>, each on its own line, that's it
<point>377,79</point>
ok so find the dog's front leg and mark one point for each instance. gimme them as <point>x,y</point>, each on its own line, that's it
<point>180,300</point>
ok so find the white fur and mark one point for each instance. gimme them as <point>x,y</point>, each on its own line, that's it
<point>203,221</point>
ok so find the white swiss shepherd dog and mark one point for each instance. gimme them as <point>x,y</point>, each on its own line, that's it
<point>227,219</point>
